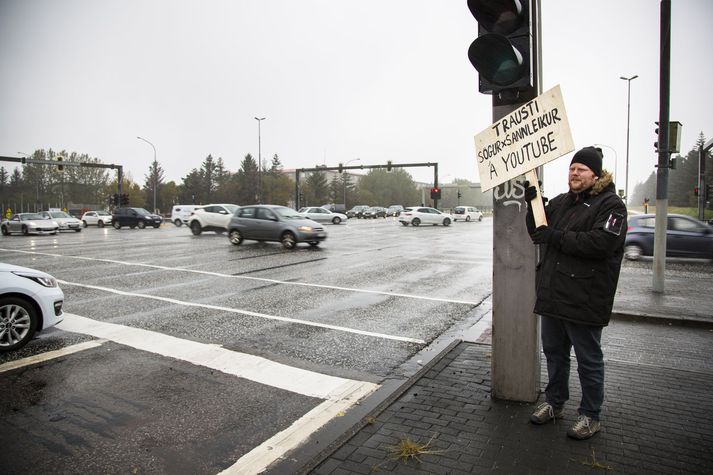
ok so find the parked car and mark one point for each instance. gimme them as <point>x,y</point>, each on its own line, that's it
<point>274,223</point>
<point>134,217</point>
<point>356,211</point>
<point>99,218</point>
<point>418,215</point>
<point>394,210</point>
<point>374,212</point>
<point>65,221</point>
<point>685,237</point>
<point>466,213</point>
<point>322,215</point>
<point>29,223</point>
<point>335,208</point>
<point>214,217</point>
<point>30,301</point>
<point>181,213</point>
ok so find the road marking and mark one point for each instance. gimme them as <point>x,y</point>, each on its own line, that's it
<point>339,394</point>
<point>248,312</point>
<point>259,279</point>
<point>49,355</point>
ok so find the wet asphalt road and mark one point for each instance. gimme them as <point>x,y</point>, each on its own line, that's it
<point>172,385</point>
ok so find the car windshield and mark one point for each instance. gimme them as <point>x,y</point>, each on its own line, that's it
<point>102,213</point>
<point>59,214</point>
<point>29,216</point>
<point>141,211</point>
<point>286,213</point>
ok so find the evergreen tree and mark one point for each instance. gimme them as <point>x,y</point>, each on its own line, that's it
<point>154,179</point>
<point>316,189</point>
<point>247,181</point>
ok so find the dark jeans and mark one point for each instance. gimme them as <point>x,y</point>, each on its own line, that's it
<point>558,337</point>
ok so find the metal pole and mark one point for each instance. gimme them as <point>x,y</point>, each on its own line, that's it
<point>628,118</point>
<point>259,161</point>
<point>155,178</point>
<point>662,171</point>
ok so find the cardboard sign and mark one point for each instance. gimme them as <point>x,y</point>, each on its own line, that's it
<point>532,135</point>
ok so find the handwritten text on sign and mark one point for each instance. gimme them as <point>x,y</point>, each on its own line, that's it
<point>527,138</point>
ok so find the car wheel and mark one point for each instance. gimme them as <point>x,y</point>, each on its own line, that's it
<point>84,223</point>
<point>178,223</point>
<point>156,226</point>
<point>336,220</point>
<point>25,231</point>
<point>633,252</point>
<point>116,225</point>
<point>447,222</point>
<point>235,237</point>
<point>100,224</point>
<point>78,230</point>
<point>141,224</point>
<point>5,232</point>
<point>132,226</point>
<point>480,218</point>
<point>404,223</point>
<point>18,321</point>
<point>196,228</point>
<point>288,240</point>
<point>467,219</point>
<point>415,222</point>
<point>314,244</point>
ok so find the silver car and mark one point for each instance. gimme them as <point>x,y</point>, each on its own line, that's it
<point>97,218</point>
<point>322,215</point>
<point>65,221</point>
<point>29,223</point>
<point>274,223</point>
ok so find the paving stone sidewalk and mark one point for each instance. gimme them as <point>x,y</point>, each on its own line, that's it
<point>657,416</point>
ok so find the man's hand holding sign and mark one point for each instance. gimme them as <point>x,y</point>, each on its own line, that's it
<point>532,135</point>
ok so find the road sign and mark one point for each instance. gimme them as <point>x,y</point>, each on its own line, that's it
<point>532,135</point>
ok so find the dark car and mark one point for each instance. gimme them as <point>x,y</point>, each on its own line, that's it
<point>274,223</point>
<point>374,212</point>
<point>134,217</point>
<point>357,211</point>
<point>685,237</point>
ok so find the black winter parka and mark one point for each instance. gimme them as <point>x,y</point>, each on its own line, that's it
<point>577,275</point>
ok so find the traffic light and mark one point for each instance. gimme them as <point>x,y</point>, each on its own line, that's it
<point>709,192</point>
<point>341,168</point>
<point>674,138</point>
<point>60,167</point>
<point>503,51</point>
<point>388,166</point>
<point>435,193</point>
<point>695,191</point>
<point>459,194</point>
<point>124,199</point>
<point>115,199</point>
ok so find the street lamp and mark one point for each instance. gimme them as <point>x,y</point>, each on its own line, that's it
<point>344,180</point>
<point>628,118</point>
<point>616,157</point>
<point>259,161</point>
<point>155,178</point>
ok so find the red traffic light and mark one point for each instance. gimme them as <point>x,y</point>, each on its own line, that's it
<point>695,191</point>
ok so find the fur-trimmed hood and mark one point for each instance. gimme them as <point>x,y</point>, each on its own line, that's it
<point>604,181</point>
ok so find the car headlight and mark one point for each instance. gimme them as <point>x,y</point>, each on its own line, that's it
<point>43,280</point>
<point>305,229</point>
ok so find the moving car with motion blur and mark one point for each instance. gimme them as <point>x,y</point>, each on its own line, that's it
<point>134,217</point>
<point>65,221</point>
<point>466,213</point>
<point>357,211</point>
<point>28,223</point>
<point>274,223</point>
<point>417,215</point>
<point>213,217</point>
<point>98,218</point>
<point>322,215</point>
<point>374,212</point>
<point>30,301</point>
<point>685,237</point>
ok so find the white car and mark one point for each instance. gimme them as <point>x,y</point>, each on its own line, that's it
<point>417,215</point>
<point>181,213</point>
<point>97,218</point>
<point>466,213</point>
<point>30,301</point>
<point>65,221</point>
<point>322,215</point>
<point>214,217</point>
<point>29,223</point>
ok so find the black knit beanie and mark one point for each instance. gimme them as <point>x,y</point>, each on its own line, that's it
<point>591,157</point>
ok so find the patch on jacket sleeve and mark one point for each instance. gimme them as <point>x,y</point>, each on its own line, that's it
<point>614,223</point>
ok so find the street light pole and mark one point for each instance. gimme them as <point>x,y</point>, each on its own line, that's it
<point>259,161</point>
<point>155,178</point>
<point>628,118</point>
<point>344,180</point>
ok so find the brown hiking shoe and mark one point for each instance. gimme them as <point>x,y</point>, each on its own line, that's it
<point>584,428</point>
<point>545,413</point>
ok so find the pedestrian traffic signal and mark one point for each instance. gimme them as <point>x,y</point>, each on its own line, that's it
<point>435,193</point>
<point>503,51</point>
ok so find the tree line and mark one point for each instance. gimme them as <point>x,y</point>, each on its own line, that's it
<point>35,187</point>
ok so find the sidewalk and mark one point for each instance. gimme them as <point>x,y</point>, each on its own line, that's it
<point>657,415</point>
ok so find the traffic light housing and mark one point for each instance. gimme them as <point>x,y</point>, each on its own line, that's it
<point>695,191</point>
<point>503,52</point>
<point>115,199</point>
<point>341,168</point>
<point>60,167</point>
<point>124,199</point>
<point>388,166</point>
<point>459,194</point>
<point>435,193</point>
<point>709,192</point>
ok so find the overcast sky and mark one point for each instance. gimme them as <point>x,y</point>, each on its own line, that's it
<point>335,80</point>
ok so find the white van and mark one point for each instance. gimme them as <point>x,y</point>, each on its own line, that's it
<point>181,213</point>
<point>466,213</point>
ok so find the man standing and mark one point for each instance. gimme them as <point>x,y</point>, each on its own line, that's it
<point>580,256</point>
